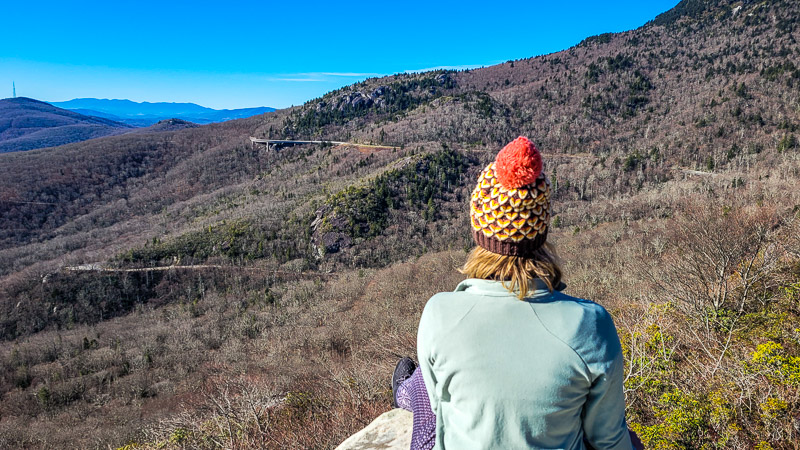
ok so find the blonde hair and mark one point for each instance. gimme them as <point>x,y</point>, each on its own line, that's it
<point>516,270</point>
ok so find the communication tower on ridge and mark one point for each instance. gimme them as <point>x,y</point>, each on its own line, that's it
<point>14,88</point>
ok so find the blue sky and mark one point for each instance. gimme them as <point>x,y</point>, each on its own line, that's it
<point>237,54</point>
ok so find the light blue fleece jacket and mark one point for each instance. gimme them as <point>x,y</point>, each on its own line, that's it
<point>545,372</point>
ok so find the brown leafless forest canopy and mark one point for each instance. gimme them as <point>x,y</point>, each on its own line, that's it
<point>298,274</point>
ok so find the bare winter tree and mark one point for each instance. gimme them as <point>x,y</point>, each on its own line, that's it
<point>714,268</point>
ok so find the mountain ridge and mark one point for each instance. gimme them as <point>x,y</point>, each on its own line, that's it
<point>288,278</point>
<point>606,114</point>
<point>148,113</point>
<point>27,124</point>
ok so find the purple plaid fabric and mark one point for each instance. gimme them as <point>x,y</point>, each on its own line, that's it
<point>413,396</point>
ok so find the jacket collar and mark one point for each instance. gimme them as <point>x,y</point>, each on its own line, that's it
<point>493,288</point>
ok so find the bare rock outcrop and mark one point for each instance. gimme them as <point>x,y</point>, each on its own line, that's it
<point>390,431</point>
<point>326,236</point>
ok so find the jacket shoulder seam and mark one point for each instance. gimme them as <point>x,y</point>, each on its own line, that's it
<point>583,361</point>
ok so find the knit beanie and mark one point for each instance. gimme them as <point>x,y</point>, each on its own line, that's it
<point>510,206</point>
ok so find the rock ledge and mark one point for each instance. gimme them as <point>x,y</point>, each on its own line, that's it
<point>391,430</point>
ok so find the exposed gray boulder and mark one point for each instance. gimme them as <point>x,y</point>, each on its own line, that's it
<point>390,431</point>
<point>379,91</point>
<point>361,100</point>
<point>354,100</point>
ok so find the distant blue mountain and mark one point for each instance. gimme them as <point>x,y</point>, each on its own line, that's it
<point>26,124</point>
<point>146,113</point>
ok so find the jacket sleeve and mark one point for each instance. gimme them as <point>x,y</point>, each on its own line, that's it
<point>425,351</point>
<point>604,424</point>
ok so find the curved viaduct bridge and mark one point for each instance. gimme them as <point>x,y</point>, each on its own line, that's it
<point>274,144</point>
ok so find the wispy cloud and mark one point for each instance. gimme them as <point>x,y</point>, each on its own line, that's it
<point>461,67</point>
<point>296,79</point>
<point>352,74</point>
<point>320,77</point>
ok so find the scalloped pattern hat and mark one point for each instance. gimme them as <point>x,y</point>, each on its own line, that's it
<point>510,206</point>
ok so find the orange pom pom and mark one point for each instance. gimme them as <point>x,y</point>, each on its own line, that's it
<point>518,164</point>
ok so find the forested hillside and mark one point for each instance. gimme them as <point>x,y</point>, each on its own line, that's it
<point>185,288</point>
<point>26,124</point>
